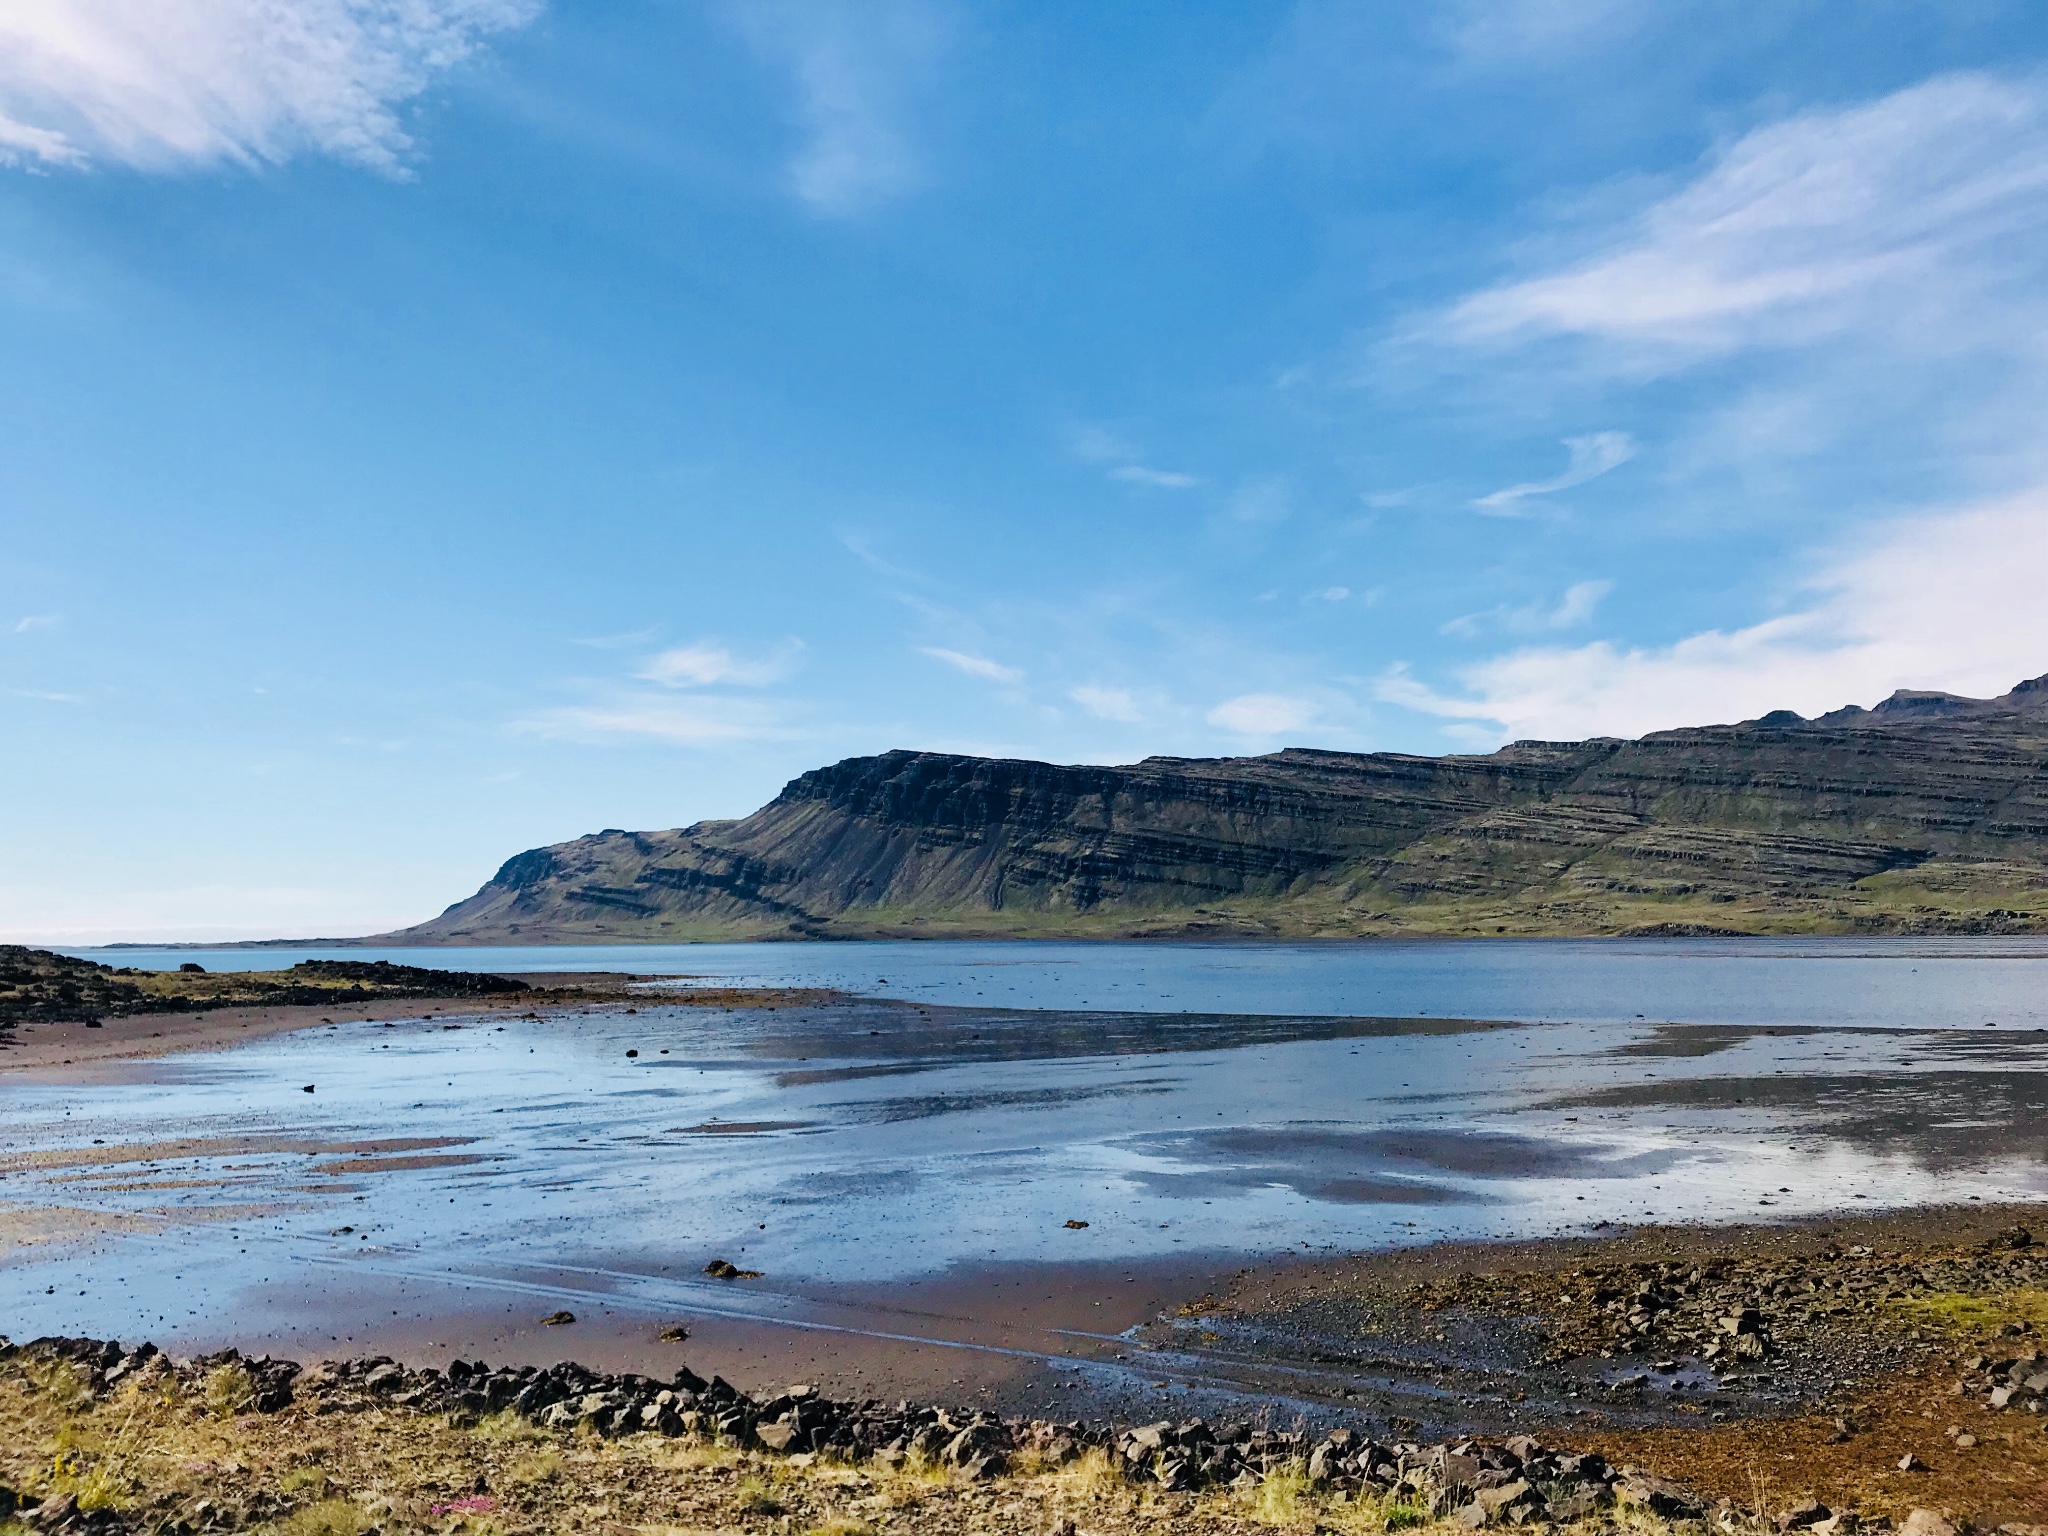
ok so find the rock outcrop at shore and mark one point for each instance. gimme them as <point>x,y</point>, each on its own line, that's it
<point>37,984</point>
<point>1926,814</point>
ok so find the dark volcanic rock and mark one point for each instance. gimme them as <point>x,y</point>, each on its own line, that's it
<point>37,984</point>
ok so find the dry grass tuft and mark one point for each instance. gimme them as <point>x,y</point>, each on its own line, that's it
<point>329,1517</point>
<point>840,1525</point>
<point>230,1389</point>
<point>754,1497</point>
<point>1285,1496</point>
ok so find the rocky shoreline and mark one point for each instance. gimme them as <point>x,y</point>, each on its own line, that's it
<point>40,986</point>
<point>1910,1396</point>
<point>1518,1481</point>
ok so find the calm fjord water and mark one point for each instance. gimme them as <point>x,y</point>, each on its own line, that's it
<point>1179,1099</point>
<point>1706,981</point>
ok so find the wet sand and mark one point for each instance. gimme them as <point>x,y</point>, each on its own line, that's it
<point>45,1049</point>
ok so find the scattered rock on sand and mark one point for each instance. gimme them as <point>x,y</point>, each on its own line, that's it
<point>557,1319</point>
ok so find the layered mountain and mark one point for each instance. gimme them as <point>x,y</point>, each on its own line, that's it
<point>1926,814</point>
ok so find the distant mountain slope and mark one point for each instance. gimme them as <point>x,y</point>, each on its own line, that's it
<point>1927,814</point>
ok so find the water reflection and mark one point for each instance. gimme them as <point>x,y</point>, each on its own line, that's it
<point>205,1190</point>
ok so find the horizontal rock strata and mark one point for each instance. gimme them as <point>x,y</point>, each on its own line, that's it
<point>1928,813</point>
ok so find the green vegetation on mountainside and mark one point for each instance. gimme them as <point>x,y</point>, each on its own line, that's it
<point>1928,814</point>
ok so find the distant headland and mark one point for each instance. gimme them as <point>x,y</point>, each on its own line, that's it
<point>1925,815</point>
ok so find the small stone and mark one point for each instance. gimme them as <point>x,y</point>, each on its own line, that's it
<point>1911,1463</point>
<point>557,1319</point>
<point>1926,1522</point>
<point>1074,1226</point>
<point>1965,1440</point>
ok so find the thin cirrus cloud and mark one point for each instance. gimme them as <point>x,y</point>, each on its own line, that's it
<point>1591,457</point>
<point>973,666</point>
<point>1262,714</point>
<point>1160,479</point>
<point>1096,445</point>
<point>1947,601</point>
<point>705,665</point>
<point>1875,214</point>
<point>691,721</point>
<point>1574,608</point>
<point>160,85</point>
<point>860,69</point>
<point>1108,703</point>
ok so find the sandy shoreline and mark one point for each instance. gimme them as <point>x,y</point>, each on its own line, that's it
<point>45,1048</point>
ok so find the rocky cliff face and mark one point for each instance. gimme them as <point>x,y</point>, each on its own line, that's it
<point>1928,813</point>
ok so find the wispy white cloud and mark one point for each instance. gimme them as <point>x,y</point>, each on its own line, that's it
<point>691,721</point>
<point>36,621</point>
<point>859,68</point>
<point>1098,445</point>
<point>1946,601</point>
<point>1796,229</point>
<point>1162,479</point>
<point>862,548</point>
<point>1262,714</point>
<point>1263,499</point>
<point>1108,703</point>
<point>1574,608</point>
<point>706,664</point>
<point>1571,610</point>
<point>1591,457</point>
<point>1328,595</point>
<point>1532,31</point>
<point>164,84</point>
<point>48,697</point>
<point>973,666</point>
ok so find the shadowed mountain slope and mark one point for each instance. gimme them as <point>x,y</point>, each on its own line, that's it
<point>1927,814</point>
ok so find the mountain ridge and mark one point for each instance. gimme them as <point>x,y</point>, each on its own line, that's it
<point>1927,813</point>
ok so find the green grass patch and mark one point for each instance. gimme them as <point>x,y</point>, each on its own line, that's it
<point>1960,1313</point>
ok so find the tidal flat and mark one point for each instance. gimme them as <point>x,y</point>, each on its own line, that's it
<point>1081,1213</point>
<point>953,1195</point>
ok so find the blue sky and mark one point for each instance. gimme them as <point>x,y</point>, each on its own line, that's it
<point>434,428</point>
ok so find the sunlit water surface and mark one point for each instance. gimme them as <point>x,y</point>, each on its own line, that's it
<point>1178,1099</point>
